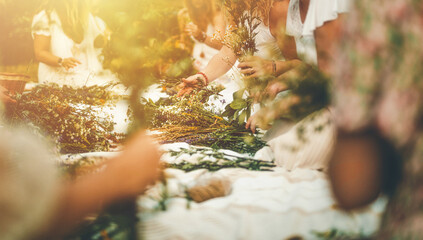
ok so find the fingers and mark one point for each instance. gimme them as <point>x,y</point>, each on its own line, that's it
<point>248,124</point>
<point>248,71</point>
<point>254,75</point>
<point>187,86</point>
<point>185,91</point>
<point>274,88</point>
<point>189,81</point>
<point>74,60</point>
<point>244,65</point>
<point>181,89</point>
<point>251,124</point>
<point>70,63</point>
<point>271,92</point>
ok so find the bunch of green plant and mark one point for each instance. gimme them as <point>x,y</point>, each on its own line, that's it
<point>223,160</point>
<point>114,223</point>
<point>335,234</point>
<point>67,115</point>
<point>244,20</point>
<point>188,111</point>
<point>240,108</point>
<point>193,121</point>
<point>240,36</point>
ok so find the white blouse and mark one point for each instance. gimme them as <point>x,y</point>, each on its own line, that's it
<point>90,71</point>
<point>321,11</point>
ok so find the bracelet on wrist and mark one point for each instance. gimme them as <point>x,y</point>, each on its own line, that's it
<point>206,79</point>
<point>274,67</point>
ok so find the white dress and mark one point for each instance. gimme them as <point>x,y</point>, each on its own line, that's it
<point>90,71</point>
<point>309,143</point>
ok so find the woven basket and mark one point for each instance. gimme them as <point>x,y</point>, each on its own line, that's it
<point>14,82</point>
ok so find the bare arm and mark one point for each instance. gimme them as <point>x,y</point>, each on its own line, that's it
<point>219,28</point>
<point>326,36</point>
<point>43,54</point>
<point>125,177</point>
<point>42,51</point>
<point>220,64</point>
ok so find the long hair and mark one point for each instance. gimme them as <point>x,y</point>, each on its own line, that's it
<point>73,14</point>
<point>202,15</point>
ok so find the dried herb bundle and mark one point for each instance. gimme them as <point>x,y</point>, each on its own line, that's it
<point>192,121</point>
<point>69,116</point>
<point>240,36</point>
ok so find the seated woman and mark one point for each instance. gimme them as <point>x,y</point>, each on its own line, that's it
<point>67,43</point>
<point>203,21</point>
<point>313,25</point>
<point>288,149</point>
<point>225,59</point>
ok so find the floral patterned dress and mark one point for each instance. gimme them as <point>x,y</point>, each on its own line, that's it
<point>379,83</point>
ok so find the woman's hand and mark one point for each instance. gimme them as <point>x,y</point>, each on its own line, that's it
<point>273,88</point>
<point>261,119</point>
<point>5,97</point>
<point>137,166</point>
<point>253,67</point>
<point>269,93</point>
<point>188,85</point>
<point>193,30</point>
<point>69,63</point>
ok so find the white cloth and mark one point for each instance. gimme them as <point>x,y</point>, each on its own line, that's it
<point>321,11</point>
<point>308,144</point>
<point>202,53</point>
<point>28,185</point>
<point>306,45</point>
<point>312,150</point>
<point>261,205</point>
<point>266,44</point>
<point>90,71</point>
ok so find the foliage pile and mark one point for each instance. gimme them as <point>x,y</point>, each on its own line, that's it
<point>191,120</point>
<point>68,116</point>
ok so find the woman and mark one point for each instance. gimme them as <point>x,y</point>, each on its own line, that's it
<point>289,149</point>
<point>37,203</point>
<point>203,21</point>
<point>266,43</point>
<point>384,123</point>
<point>67,43</point>
<point>309,143</point>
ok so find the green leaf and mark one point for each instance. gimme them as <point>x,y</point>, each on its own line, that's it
<point>242,117</point>
<point>238,104</point>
